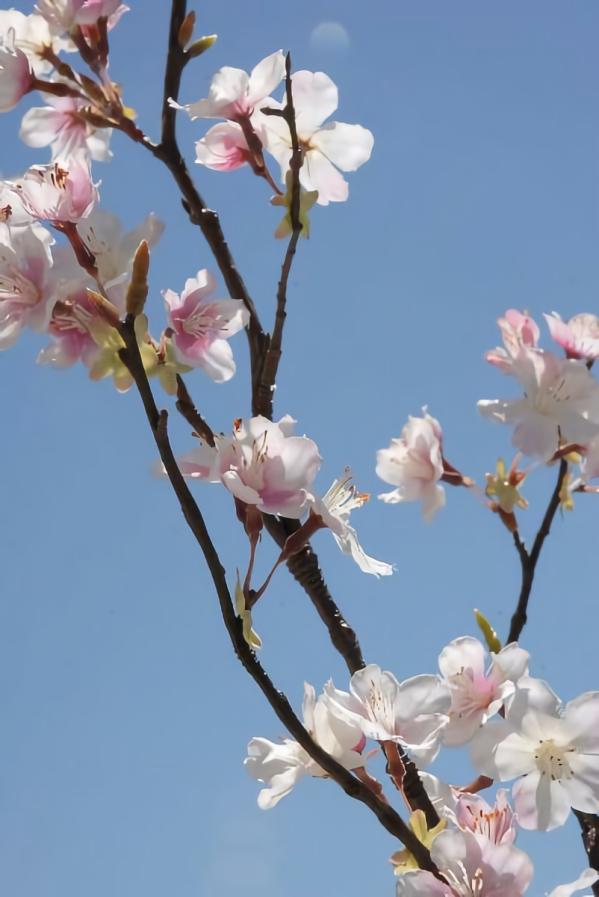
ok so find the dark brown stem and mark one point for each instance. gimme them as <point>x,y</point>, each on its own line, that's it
<point>589,825</point>
<point>352,786</point>
<point>188,410</point>
<point>264,393</point>
<point>529,559</point>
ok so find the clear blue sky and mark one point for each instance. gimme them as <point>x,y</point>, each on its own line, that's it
<point>123,714</point>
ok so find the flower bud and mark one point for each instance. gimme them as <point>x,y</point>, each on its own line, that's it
<point>138,287</point>
<point>201,45</point>
<point>186,29</point>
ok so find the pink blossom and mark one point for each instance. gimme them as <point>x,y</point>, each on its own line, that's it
<point>201,326</point>
<point>26,298</point>
<point>233,94</point>
<point>496,824</point>
<point>223,147</point>
<point>16,76</point>
<point>478,690</point>
<point>578,337</point>
<point>517,330</point>
<point>65,15</point>
<point>71,327</point>
<point>470,868</point>
<point>560,403</point>
<point>414,464</point>
<point>261,464</point>
<point>62,126</point>
<point>58,194</point>
<point>329,148</point>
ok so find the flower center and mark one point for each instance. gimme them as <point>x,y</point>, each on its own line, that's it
<point>464,884</point>
<point>470,693</point>
<point>552,761</point>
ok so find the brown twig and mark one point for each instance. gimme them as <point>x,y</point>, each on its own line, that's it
<point>529,559</point>
<point>352,786</point>
<point>589,825</point>
<point>188,410</point>
<point>264,394</point>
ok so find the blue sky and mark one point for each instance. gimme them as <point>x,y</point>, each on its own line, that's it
<point>124,715</point>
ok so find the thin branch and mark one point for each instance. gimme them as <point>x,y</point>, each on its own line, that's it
<point>188,410</point>
<point>264,393</point>
<point>589,825</point>
<point>529,559</point>
<point>352,786</point>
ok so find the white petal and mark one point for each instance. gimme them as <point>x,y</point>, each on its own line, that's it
<point>317,173</point>
<point>266,76</point>
<point>462,653</point>
<point>346,146</point>
<point>585,880</point>
<point>315,97</point>
<point>540,802</point>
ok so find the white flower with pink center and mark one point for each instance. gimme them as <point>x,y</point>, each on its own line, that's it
<point>16,76</point>
<point>26,298</point>
<point>263,464</point>
<point>478,688</point>
<point>414,464</point>
<point>233,94</point>
<point>62,126</point>
<point>552,751</point>
<point>57,194</point>
<point>202,325</point>
<point>560,403</point>
<point>517,329</point>
<point>578,337</point>
<point>328,149</point>
<point>281,765</point>
<point>65,15</point>
<point>412,713</point>
<point>70,328</point>
<point>335,508</point>
<point>470,812</point>
<point>471,867</point>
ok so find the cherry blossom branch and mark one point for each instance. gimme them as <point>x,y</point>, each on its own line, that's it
<point>304,566</point>
<point>529,559</point>
<point>352,786</point>
<point>266,386</point>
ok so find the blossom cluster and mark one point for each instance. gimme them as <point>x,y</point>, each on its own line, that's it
<point>516,729</point>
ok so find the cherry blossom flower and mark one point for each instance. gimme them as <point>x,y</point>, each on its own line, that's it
<point>560,403</point>
<point>578,337</point>
<point>477,692</point>
<point>70,327</point>
<point>281,765</point>
<point>552,751</point>
<point>410,713</point>
<point>62,126</point>
<point>16,76</point>
<point>113,249</point>
<point>414,464</point>
<point>26,298</point>
<point>233,94</point>
<point>65,15</point>
<point>335,508</point>
<point>57,194</point>
<point>201,326</point>
<point>329,148</point>
<point>263,464</point>
<point>471,867</point>
<point>223,147</point>
<point>517,329</point>
<point>31,35</point>
<point>470,812</point>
